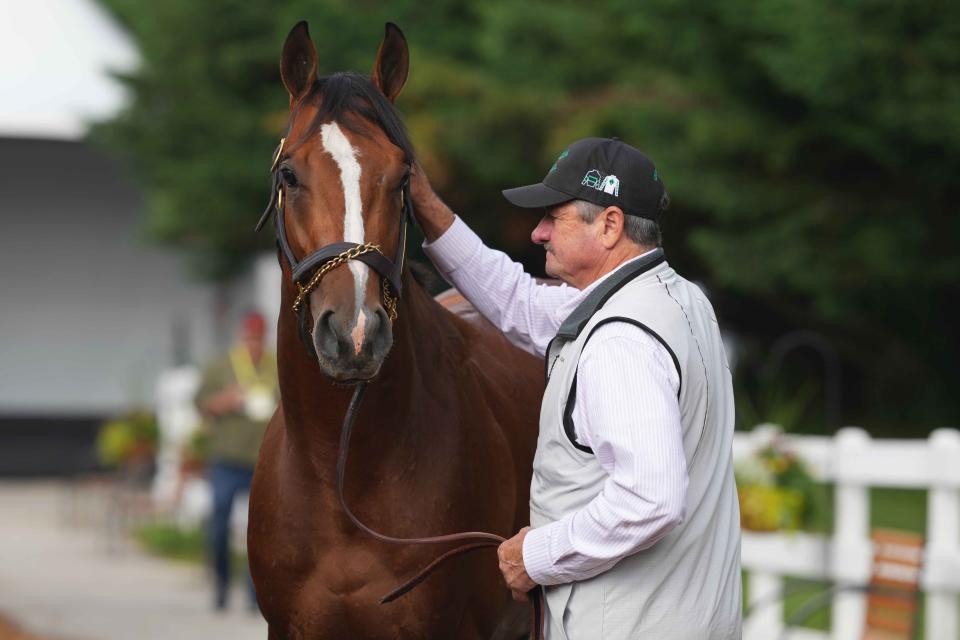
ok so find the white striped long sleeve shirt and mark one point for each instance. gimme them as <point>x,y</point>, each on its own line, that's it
<point>626,411</point>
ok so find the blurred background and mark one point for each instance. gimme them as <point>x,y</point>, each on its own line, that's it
<point>811,150</point>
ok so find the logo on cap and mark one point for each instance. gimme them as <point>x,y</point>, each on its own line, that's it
<point>561,157</point>
<point>609,184</point>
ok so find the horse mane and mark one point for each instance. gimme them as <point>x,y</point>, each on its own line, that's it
<point>343,96</point>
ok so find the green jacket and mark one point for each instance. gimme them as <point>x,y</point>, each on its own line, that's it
<point>234,438</point>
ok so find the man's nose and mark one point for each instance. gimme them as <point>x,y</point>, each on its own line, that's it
<point>541,233</point>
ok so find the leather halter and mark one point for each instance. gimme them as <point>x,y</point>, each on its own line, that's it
<point>306,273</point>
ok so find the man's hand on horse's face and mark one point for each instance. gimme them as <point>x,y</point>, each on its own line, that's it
<point>433,215</point>
<point>514,572</point>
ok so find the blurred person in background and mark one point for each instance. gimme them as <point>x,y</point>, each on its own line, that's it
<point>237,397</point>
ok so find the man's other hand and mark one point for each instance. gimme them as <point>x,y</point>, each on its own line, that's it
<point>514,572</point>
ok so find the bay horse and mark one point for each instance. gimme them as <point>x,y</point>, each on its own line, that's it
<point>445,436</point>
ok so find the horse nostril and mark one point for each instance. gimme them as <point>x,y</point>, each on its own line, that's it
<point>376,322</point>
<point>382,319</point>
<point>381,331</point>
<point>325,321</point>
<point>325,335</point>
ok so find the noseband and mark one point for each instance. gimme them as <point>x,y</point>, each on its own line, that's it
<point>308,273</point>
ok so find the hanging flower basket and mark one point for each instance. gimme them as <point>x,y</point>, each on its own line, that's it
<point>128,440</point>
<point>775,488</point>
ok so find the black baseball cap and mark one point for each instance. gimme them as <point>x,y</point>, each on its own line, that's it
<point>604,171</point>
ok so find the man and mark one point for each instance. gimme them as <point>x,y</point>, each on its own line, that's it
<point>633,505</point>
<point>237,397</point>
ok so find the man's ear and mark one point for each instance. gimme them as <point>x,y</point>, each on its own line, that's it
<point>612,231</point>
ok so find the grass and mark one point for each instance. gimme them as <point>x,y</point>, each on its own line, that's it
<point>168,541</point>
<point>183,545</point>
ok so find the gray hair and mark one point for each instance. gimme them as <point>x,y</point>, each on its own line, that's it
<point>640,231</point>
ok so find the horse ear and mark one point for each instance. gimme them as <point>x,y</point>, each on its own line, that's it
<point>392,64</point>
<point>298,65</point>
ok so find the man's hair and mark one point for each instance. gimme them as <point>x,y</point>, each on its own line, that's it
<point>641,231</point>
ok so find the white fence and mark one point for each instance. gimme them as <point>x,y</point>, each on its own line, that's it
<point>855,463</point>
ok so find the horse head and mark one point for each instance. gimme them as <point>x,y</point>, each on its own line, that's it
<point>340,179</point>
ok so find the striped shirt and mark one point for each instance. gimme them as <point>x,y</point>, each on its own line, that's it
<point>626,411</point>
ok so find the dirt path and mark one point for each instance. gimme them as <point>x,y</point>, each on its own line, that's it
<point>9,631</point>
<point>64,581</point>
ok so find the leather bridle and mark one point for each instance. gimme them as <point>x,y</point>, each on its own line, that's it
<point>306,275</point>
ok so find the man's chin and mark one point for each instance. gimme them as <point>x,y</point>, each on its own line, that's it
<point>549,267</point>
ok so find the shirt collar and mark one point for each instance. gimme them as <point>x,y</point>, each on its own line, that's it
<point>567,307</point>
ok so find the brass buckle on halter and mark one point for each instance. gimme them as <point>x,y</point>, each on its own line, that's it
<point>276,156</point>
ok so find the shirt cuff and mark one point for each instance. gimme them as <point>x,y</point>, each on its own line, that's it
<point>454,247</point>
<point>536,555</point>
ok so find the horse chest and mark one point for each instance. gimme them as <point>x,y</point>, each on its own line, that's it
<point>319,578</point>
<point>338,595</point>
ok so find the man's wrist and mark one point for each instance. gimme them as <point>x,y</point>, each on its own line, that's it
<point>434,217</point>
<point>536,555</point>
<point>454,248</point>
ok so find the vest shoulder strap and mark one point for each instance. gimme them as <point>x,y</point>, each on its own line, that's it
<point>568,426</point>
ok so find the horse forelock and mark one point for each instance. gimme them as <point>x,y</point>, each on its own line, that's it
<point>351,100</point>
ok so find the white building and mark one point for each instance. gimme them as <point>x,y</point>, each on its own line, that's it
<point>90,312</point>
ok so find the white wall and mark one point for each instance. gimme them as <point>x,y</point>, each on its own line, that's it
<point>55,56</point>
<point>87,307</point>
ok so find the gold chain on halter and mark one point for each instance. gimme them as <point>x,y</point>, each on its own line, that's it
<point>350,254</point>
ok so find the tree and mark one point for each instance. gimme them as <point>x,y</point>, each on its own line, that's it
<point>810,147</point>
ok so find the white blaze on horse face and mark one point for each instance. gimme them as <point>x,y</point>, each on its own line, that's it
<point>358,332</point>
<point>345,156</point>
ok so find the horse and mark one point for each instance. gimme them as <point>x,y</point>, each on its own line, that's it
<point>445,436</point>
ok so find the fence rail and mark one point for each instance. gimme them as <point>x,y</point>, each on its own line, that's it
<point>855,463</point>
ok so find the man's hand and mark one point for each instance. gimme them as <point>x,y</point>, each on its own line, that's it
<point>230,400</point>
<point>433,215</point>
<point>514,572</point>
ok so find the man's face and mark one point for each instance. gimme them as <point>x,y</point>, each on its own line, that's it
<point>571,244</point>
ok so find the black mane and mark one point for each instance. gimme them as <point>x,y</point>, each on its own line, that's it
<point>343,96</point>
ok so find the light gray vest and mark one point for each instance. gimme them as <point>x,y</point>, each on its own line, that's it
<point>687,585</point>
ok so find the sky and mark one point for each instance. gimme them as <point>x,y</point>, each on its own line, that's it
<point>55,63</point>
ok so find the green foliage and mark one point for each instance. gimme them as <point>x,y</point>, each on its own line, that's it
<point>188,545</point>
<point>126,438</point>
<point>782,405</point>
<point>776,490</point>
<point>810,146</point>
<point>169,541</point>
<point>197,447</point>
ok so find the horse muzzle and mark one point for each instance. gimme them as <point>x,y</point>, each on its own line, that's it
<point>351,347</point>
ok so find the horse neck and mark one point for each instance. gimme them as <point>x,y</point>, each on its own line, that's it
<point>314,408</point>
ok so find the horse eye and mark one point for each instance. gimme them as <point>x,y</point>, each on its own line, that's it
<point>288,176</point>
